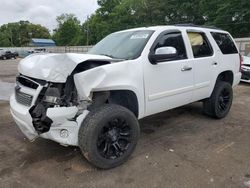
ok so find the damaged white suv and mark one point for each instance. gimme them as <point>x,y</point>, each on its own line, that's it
<point>94,100</point>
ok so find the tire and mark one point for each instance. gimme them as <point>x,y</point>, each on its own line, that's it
<point>220,102</point>
<point>4,58</point>
<point>108,136</point>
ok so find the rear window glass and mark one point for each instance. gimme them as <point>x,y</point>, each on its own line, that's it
<point>225,43</point>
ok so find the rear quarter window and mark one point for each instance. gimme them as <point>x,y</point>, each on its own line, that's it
<point>225,43</point>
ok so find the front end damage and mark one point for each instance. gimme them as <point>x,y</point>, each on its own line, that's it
<point>51,110</point>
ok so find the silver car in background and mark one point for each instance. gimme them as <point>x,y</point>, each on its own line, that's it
<point>245,69</point>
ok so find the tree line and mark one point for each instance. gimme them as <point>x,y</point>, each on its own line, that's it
<point>115,15</point>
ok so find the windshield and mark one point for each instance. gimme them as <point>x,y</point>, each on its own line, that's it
<point>123,45</point>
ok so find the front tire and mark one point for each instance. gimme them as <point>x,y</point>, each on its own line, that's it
<point>220,102</point>
<point>108,136</point>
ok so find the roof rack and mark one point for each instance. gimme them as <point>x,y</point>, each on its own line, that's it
<point>201,26</point>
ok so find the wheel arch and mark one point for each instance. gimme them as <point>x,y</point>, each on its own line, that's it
<point>226,76</point>
<point>123,97</point>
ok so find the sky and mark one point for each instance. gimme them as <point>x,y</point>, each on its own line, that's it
<point>44,12</point>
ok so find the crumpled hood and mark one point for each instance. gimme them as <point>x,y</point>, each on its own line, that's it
<point>54,67</point>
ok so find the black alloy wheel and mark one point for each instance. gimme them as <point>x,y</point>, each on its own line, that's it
<point>114,139</point>
<point>108,135</point>
<point>220,102</point>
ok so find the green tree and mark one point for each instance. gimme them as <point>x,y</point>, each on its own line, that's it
<point>68,32</point>
<point>231,15</point>
<point>114,15</point>
<point>20,33</point>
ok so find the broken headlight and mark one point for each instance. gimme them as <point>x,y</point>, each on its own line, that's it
<point>52,95</point>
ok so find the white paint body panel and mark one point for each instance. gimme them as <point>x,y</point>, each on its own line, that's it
<point>53,67</point>
<point>118,76</point>
<point>157,87</point>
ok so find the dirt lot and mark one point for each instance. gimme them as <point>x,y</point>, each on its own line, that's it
<point>8,70</point>
<point>179,148</point>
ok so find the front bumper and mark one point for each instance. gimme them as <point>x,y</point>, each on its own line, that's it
<point>23,119</point>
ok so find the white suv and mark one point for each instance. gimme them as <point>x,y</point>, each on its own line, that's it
<point>94,100</point>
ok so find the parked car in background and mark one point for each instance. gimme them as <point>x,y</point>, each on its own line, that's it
<point>38,50</point>
<point>245,69</point>
<point>1,53</point>
<point>8,55</point>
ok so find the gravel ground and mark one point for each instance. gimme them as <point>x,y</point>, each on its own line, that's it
<point>178,148</point>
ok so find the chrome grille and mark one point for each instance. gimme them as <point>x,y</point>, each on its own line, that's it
<point>23,98</point>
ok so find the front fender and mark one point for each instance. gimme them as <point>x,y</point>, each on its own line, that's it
<point>120,76</point>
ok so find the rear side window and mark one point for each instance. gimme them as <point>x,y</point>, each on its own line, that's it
<point>225,43</point>
<point>200,44</point>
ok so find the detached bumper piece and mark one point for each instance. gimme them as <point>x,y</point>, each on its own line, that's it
<point>41,122</point>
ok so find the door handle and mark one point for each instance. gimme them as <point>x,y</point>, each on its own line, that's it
<point>186,68</point>
<point>214,63</point>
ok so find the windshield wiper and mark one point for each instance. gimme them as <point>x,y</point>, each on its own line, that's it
<point>108,55</point>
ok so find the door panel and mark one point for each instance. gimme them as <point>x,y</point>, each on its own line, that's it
<point>204,64</point>
<point>168,84</point>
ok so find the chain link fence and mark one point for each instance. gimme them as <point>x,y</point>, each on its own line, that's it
<point>242,43</point>
<point>25,51</point>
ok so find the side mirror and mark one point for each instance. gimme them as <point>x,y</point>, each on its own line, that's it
<point>163,54</point>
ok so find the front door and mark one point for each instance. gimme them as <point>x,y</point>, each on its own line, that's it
<point>170,83</point>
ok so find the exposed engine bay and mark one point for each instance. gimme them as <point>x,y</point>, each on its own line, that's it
<point>54,95</point>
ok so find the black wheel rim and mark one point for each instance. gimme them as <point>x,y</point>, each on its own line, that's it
<point>224,100</point>
<point>114,139</point>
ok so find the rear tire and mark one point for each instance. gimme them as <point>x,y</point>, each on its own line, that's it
<point>108,136</point>
<point>220,102</point>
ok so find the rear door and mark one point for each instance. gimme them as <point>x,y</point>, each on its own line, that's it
<point>229,55</point>
<point>204,61</point>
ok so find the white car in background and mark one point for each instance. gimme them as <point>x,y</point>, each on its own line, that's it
<point>245,69</point>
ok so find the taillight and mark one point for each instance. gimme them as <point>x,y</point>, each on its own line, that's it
<point>241,61</point>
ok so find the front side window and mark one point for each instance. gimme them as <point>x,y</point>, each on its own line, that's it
<point>123,45</point>
<point>200,45</point>
<point>225,43</point>
<point>173,40</point>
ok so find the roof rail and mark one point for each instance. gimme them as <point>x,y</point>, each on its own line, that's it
<point>201,26</point>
